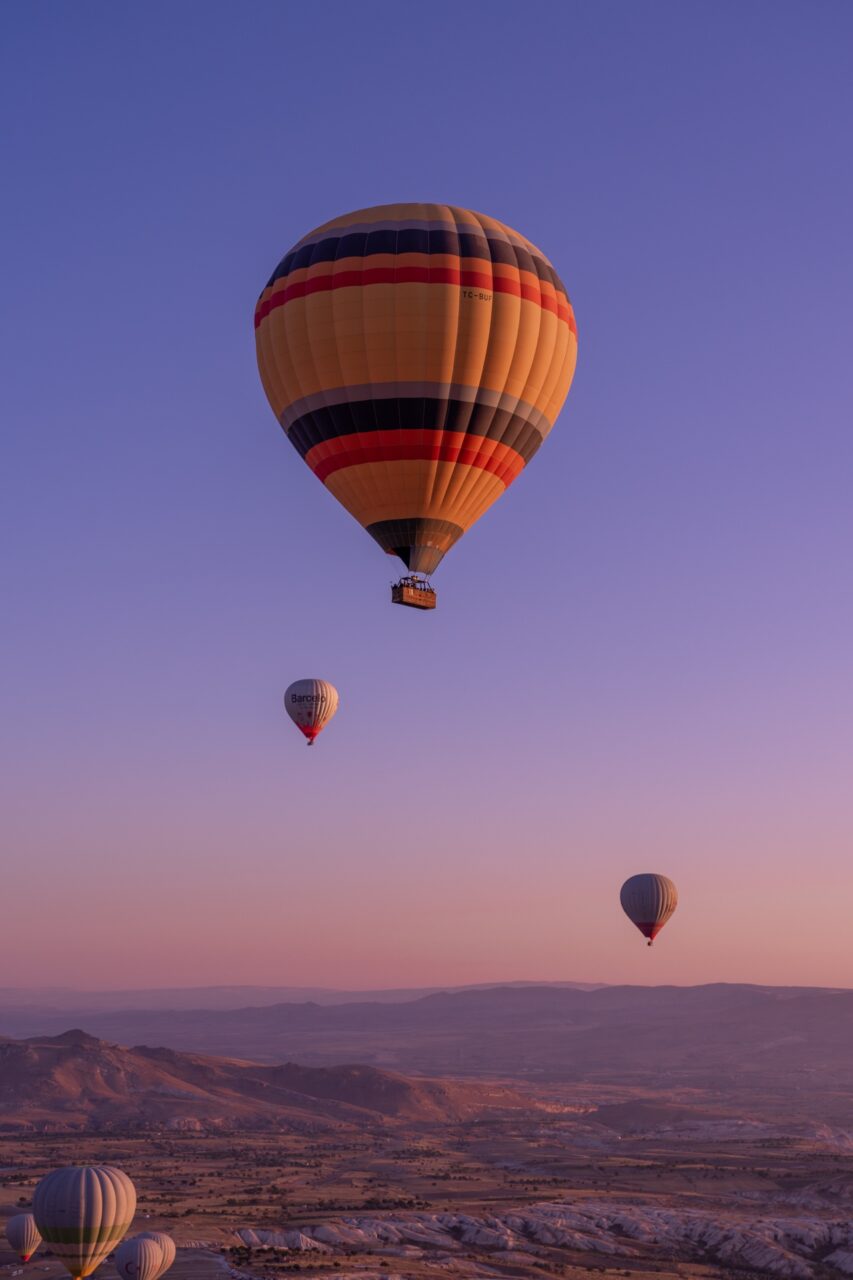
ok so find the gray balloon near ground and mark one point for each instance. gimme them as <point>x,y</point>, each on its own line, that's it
<point>167,1245</point>
<point>83,1213</point>
<point>311,705</point>
<point>23,1235</point>
<point>140,1258</point>
<point>648,901</point>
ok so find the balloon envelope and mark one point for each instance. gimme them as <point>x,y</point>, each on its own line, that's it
<point>416,356</point>
<point>648,900</point>
<point>140,1258</point>
<point>23,1235</point>
<point>167,1245</point>
<point>83,1213</point>
<point>311,705</point>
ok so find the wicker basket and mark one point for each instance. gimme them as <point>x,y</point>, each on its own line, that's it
<point>414,592</point>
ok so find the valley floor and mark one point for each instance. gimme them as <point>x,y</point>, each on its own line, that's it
<point>638,1188</point>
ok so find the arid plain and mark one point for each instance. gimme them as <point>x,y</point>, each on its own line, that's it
<point>616,1159</point>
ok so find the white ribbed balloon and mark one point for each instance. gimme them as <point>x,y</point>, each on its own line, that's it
<point>23,1235</point>
<point>140,1258</point>
<point>83,1213</point>
<point>168,1246</point>
<point>648,901</point>
<point>311,705</point>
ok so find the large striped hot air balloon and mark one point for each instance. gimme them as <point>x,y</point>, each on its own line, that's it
<point>142,1258</point>
<point>83,1213</point>
<point>167,1246</point>
<point>311,705</point>
<point>23,1235</point>
<point>416,356</point>
<point>648,901</point>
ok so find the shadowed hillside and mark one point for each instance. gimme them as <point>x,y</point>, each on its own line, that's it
<point>76,1081</point>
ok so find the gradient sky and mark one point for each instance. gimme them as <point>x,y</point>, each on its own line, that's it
<point>642,657</point>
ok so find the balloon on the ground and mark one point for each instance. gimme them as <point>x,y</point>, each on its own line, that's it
<point>416,356</point>
<point>140,1258</point>
<point>83,1213</point>
<point>311,705</point>
<point>648,900</point>
<point>23,1235</point>
<point>167,1245</point>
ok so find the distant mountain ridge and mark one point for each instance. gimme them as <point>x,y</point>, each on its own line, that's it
<point>76,1081</point>
<point>65,1001</point>
<point>692,1035</point>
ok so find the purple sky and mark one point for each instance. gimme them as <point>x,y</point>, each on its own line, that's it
<point>642,657</point>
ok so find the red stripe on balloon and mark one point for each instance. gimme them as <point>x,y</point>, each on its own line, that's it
<point>414,446</point>
<point>415,275</point>
<point>650,931</point>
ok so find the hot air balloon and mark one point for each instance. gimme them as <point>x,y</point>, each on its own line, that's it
<point>648,900</point>
<point>416,356</point>
<point>311,705</point>
<point>167,1245</point>
<point>141,1258</point>
<point>83,1213</point>
<point>23,1235</point>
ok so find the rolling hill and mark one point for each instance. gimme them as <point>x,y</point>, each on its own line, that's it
<point>75,1081</point>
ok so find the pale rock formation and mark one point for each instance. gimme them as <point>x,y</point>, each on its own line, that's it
<point>295,1240</point>
<point>787,1247</point>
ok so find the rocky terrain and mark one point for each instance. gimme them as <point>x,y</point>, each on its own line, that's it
<point>784,1246</point>
<point>641,1132</point>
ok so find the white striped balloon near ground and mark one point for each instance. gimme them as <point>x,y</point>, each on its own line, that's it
<point>23,1235</point>
<point>167,1245</point>
<point>83,1213</point>
<point>145,1257</point>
